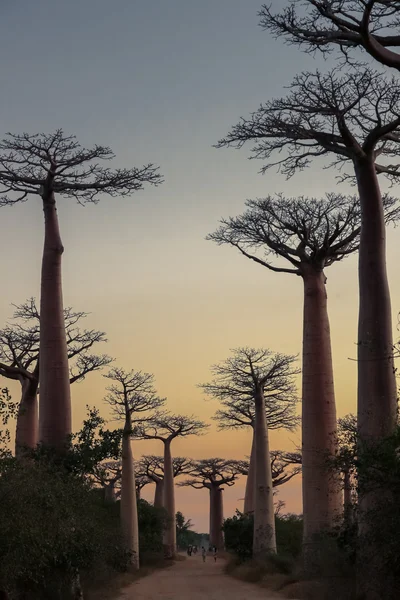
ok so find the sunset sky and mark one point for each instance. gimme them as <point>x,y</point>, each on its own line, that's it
<point>161,81</point>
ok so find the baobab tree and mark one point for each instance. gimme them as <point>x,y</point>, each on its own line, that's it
<point>284,466</point>
<point>152,467</point>
<point>166,427</point>
<point>264,377</point>
<point>132,397</point>
<point>310,235</point>
<point>238,409</point>
<point>319,25</point>
<point>107,475</point>
<point>212,474</point>
<point>48,165</point>
<point>355,117</point>
<point>19,356</point>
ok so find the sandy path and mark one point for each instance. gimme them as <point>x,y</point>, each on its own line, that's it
<point>193,580</point>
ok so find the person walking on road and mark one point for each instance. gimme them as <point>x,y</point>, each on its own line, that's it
<point>215,553</point>
<point>203,554</point>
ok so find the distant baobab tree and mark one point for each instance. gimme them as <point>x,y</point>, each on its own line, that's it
<point>132,396</point>
<point>348,24</point>
<point>265,378</point>
<point>352,118</point>
<point>47,165</point>
<point>19,360</point>
<point>238,411</point>
<point>213,474</point>
<point>152,467</point>
<point>166,427</point>
<point>107,474</point>
<point>284,466</point>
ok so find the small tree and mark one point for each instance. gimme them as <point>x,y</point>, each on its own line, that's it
<point>263,377</point>
<point>212,474</point>
<point>166,427</point>
<point>370,24</point>
<point>131,396</point>
<point>107,475</point>
<point>48,165</point>
<point>19,356</point>
<point>152,467</point>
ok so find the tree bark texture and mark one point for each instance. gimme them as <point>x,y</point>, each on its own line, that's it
<point>159,494</point>
<point>322,494</point>
<point>109,492</point>
<point>54,398</point>
<point>129,516</point>
<point>376,394</point>
<point>169,541</point>
<point>264,539</point>
<point>26,434</point>
<point>250,481</point>
<point>216,517</point>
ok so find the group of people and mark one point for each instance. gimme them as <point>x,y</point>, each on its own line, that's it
<point>212,549</point>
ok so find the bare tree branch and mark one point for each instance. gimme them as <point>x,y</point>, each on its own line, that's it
<point>166,426</point>
<point>372,25</point>
<point>213,472</point>
<point>56,163</point>
<point>234,385</point>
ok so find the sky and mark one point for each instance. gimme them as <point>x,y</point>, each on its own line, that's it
<point>161,82</point>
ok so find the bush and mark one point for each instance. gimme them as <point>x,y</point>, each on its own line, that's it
<point>238,532</point>
<point>53,526</point>
<point>152,522</point>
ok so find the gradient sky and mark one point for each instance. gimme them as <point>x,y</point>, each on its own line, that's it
<point>161,82</point>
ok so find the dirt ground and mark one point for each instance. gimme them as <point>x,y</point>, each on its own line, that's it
<point>192,580</point>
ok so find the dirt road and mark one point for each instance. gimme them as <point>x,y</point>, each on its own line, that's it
<point>192,580</point>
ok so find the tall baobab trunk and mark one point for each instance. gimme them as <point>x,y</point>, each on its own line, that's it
<point>26,435</point>
<point>129,516</point>
<point>322,496</point>
<point>264,539</point>
<point>216,517</point>
<point>54,398</point>
<point>159,494</point>
<point>250,482</point>
<point>169,503</point>
<point>377,398</point>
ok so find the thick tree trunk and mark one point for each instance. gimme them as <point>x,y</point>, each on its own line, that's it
<point>250,482</point>
<point>216,517</point>
<point>322,495</point>
<point>264,539</point>
<point>26,434</point>
<point>377,397</point>
<point>169,540</point>
<point>109,492</point>
<point>54,398</point>
<point>159,494</point>
<point>129,516</point>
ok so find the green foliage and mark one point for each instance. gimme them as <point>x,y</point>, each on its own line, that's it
<point>53,526</point>
<point>152,522</point>
<point>238,532</point>
<point>184,536</point>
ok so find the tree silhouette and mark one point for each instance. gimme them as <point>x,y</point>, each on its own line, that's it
<point>48,165</point>
<point>260,377</point>
<point>152,467</point>
<point>355,117</point>
<point>213,474</point>
<point>132,397</point>
<point>19,356</point>
<point>166,427</point>
<point>280,463</point>
<point>320,24</point>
